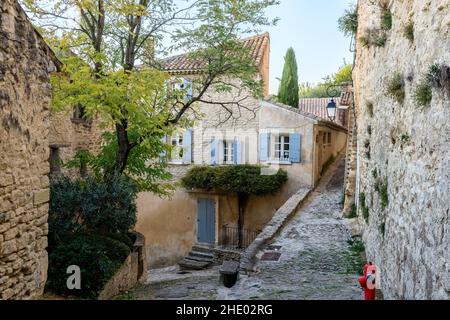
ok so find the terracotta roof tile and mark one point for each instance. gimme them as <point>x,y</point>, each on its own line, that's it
<point>184,64</point>
<point>316,106</point>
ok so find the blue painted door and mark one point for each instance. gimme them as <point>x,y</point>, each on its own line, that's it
<point>206,224</point>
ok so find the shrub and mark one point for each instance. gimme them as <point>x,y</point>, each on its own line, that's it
<point>66,197</point>
<point>93,205</point>
<point>244,179</point>
<point>369,130</point>
<point>408,31</point>
<point>384,195</point>
<point>375,173</point>
<point>201,177</point>
<point>348,23</point>
<point>109,206</point>
<point>386,19</point>
<point>98,257</point>
<point>396,88</point>
<point>423,93</point>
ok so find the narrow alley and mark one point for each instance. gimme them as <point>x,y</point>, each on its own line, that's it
<point>312,265</point>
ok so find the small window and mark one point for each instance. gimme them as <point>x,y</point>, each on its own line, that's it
<point>329,137</point>
<point>55,161</point>
<point>228,152</point>
<point>281,148</point>
<point>177,148</point>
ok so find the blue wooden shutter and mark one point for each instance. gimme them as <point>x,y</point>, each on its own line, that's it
<point>264,147</point>
<point>237,152</point>
<point>188,87</point>
<point>294,147</point>
<point>187,147</point>
<point>214,151</point>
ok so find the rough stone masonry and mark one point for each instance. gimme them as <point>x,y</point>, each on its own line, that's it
<point>25,63</point>
<point>404,148</point>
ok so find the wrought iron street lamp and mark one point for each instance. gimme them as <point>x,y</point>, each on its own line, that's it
<point>331,110</point>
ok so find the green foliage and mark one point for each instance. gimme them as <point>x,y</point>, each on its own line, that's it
<point>353,211</point>
<point>408,31</point>
<point>365,42</point>
<point>386,19</point>
<point>80,161</point>
<point>91,205</point>
<point>355,257</point>
<point>288,90</point>
<point>382,188</point>
<point>369,130</point>
<point>240,179</point>
<point>423,93</point>
<point>380,41</point>
<point>396,88</point>
<point>109,205</point>
<point>404,137</point>
<point>344,75</point>
<point>64,219</point>
<point>363,206</point>
<point>375,173</point>
<point>348,23</point>
<point>98,258</point>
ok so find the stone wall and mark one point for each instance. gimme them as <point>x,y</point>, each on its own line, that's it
<point>70,135</point>
<point>404,148</point>
<point>25,63</point>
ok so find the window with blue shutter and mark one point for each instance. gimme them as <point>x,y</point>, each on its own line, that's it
<point>295,147</point>
<point>187,146</point>
<point>264,147</point>
<point>237,152</point>
<point>214,151</point>
<point>187,85</point>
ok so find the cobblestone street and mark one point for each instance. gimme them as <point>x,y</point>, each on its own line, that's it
<point>312,265</point>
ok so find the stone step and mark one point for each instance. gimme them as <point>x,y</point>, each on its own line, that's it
<point>200,259</point>
<point>201,255</point>
<point>189,264</point>
<point>202,248</point>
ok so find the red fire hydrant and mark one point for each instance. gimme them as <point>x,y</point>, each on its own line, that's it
<point>367,281</point>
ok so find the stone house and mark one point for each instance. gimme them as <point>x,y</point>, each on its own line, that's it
<point>25,64</point>
<point>266,133</point>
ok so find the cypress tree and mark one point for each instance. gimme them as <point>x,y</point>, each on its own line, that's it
<point>288,91</point>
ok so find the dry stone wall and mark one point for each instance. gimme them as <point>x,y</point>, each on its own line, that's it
<point>403,147</point>
<point>25,63</point>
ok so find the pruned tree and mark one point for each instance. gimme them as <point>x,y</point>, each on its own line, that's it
<point>288,91</point>
<point>109,54</point>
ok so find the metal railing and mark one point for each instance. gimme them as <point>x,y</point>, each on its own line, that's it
<point>230,238</point>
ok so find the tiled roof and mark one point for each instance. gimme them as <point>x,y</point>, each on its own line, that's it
<point>312,116</point>
<point>184,64</point>
<point>316,106</point>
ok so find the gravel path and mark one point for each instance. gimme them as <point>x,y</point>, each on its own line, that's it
<point>312,265</point>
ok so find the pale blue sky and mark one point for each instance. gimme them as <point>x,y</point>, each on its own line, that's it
<point>310,27</point>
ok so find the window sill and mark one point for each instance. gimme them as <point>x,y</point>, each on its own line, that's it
<point>175,162</point>
<point>286,162</point>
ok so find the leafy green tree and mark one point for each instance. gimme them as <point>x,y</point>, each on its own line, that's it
<point>107,48</point>
<point>320,90</point>
<point>288,91</point>
<point>242,180</point>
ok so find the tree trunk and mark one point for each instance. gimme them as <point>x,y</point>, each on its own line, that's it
<point>124,147</point>
<point>242,203</point>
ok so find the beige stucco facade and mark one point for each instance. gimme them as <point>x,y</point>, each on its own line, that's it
<point>170,225</point>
